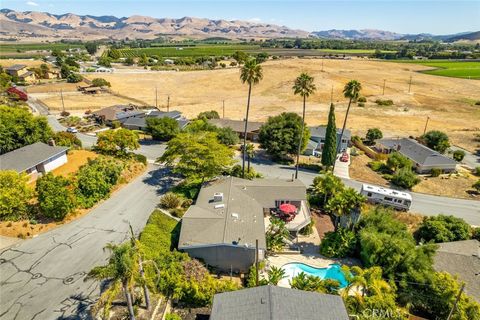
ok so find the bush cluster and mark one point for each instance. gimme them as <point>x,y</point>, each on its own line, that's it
<point>338,244</point>
<point>381,102</point>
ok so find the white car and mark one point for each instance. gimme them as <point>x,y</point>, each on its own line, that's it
<point>72,130</point>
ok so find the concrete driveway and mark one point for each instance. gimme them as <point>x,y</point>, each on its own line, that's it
<point>470,159</point>
<point>44,277</point>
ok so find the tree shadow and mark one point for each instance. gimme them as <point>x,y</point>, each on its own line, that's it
<point>82,311</point>
<point>162,178</point>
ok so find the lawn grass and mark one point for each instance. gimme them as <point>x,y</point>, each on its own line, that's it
<point>446,68</point>
<point>160,234</point>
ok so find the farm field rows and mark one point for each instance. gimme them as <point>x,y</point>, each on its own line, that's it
<point>22,47</point>
<point>195,51</point>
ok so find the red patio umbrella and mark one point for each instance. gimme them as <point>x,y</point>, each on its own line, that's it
<point>288,208</point>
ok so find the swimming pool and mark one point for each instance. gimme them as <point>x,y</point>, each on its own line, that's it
<point>333,271</point>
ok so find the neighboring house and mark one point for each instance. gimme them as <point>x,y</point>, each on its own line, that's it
<point>423,158</point>
<point>461,258</point>
<point>118,113</point>
<point>34,159</point>
<point>277,303</point>
<point>222,227</point>
<point>317,140</point>
<point>253,128</point>
<point>20,71</point>
<point>104,70</point>
<point>22,95</point>
<point>53,74</point>
<point>140,123</point>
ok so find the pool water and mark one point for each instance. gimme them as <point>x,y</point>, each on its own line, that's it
<point>333,271</point>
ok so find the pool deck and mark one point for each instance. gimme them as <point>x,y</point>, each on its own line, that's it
<point>310,246</point>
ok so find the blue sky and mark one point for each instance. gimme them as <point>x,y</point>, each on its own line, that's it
<point>437,17</point>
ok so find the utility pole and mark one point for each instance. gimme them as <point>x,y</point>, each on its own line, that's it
<point>383,92</point>
<point>426,124</point>
<point>410,84</point>
<point>63,103</point>
<point>456,302</point>
<point>256,262</point>
<point>223,108</point>
<point>156,98</point>
<point>168,103</point>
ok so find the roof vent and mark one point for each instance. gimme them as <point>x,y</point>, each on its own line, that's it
<point>218,197</point>
<point>262,301</point>
<point>219,206</point>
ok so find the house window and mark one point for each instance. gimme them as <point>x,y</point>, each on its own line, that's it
<point>369,194</point>
<point>388,199</point>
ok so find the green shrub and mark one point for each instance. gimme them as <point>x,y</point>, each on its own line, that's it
<point>476,186</point>
<point>67,139</point>
<point>362,99</point>
<point>141,158</point>
<point>377,166</point>
<point>172,316</point>
<point>405,178</point>
<point>338,244</point>
<point>308,229</point>
<point>477,103</point>
<point>187,189</point>
<point>56,198</point>
<point>476,171</point>
<point>251,174</point>
<point>15,194</point>
<point>310,166</point>
<point>436,172</point>
<point>361,104</point>
<point>458,155</point>
<point>177,212</point>
<point>187,203</point>
<point>443,228</point>
<point>476,233</point>
<point>381,102</point>
<point>170,201</point>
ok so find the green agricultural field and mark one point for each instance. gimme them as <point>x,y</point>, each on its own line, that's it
<point>24,47</point>
<point>353,51</point>
<point>455,69</point>
<point>195,51</point>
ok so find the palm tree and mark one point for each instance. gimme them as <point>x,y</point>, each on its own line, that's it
<point>135,245</point>
<point>352,92</point>
<point>275,274</point>
<point>306,282</point>
<point>250,73</point>
<point>304,87</point>
<point>122,271</point>
<point>250,149</point>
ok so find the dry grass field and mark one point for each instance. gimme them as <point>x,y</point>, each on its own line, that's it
<point>28,62</point>
<point>449,102</point>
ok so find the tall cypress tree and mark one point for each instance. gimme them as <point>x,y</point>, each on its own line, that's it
<point>329,151</point>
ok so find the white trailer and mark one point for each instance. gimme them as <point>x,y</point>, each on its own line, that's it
<point>389,197</point>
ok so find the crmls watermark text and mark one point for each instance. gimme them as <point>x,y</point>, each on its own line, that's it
<point>378,314</point>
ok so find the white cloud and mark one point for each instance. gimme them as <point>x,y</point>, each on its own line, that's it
<point>31,3</point>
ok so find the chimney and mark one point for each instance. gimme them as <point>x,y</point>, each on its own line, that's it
<point>51,142</point>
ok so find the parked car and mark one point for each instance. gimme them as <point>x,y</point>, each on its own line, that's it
<point>344,157</point>
<point>72,130</point>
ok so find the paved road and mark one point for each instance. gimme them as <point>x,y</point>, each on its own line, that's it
<point>422,203</point>
<point>43,277</point>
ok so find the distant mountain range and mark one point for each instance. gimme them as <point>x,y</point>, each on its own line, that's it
<point>31,24</point>
<point>373,34</point>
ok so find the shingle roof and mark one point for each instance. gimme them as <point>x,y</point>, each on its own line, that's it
<point>29,156</point>
<point>142,121</point>
<point>240,220</point>
<point>321,131</point>
<point>461,258</point>
<point>417,152</point>
<point>16,67</point>
<point>161,114</point>
<point>118,112</point>
<point>277,303</point>
<point>236,125</point>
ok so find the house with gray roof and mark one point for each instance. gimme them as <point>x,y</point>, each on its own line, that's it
<point>253,127</point>
<point>227,219</point>
<point>277,303</point>
<point>140,123</point>
<point>34,159</point>
<point>119,113</point>
<point>423,158</point>
<point>461,258</point>
<point>317,140</point>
